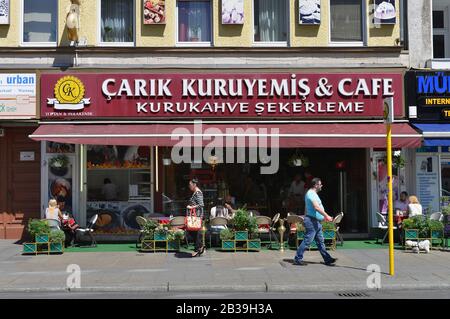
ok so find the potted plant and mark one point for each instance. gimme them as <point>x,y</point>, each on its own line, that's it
<point>161,233</point>
<point>227,237</point>
<point>57,238</point>
<point>297,160</point>
<point>59,165</point>
<point>436,230</point>
<point>174,238</point>
<point>329,230</point>
<point>446,212</point>
<point>149,233</point>
<point>39,229</point>
<point>415,228</point>
<point>245,226</point>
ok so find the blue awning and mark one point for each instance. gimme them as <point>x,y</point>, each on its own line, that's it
<point>435,134</point>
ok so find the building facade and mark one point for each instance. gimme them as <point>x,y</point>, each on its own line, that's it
<point>116,78</point>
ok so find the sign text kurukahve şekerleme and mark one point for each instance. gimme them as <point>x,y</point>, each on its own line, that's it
<point>219,95</point>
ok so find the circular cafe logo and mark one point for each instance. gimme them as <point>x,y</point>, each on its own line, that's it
<point>69,89</point>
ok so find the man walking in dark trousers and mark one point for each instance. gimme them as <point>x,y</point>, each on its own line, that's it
<point>315,213</point>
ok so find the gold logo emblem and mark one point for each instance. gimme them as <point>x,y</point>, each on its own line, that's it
<point>69,90</point>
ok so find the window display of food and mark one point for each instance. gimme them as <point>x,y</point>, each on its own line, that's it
<point>154,11</point>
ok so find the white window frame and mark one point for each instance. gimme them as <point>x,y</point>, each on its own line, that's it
<point>37,44</point>
<point>179,43</point>
<point>99,28</point>
<point>273,43</point>
<point>363,30</point>
<point>445,31</point>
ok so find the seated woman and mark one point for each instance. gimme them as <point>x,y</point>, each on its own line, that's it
<point>53,212</point>
<point>414,207</point>
<point>219,210</point>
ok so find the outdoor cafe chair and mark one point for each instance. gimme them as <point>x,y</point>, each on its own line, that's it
<point>383,224</point>
<point>216,224</point>
<point>336,221</point>
<point>141,221</point>
<point>89,230</point>
<point>265,227</point>
<point>437,216</point>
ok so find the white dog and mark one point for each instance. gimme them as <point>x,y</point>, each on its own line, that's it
<point>417,246</point>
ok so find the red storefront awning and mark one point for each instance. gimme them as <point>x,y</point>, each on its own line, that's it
<point>323,135</point>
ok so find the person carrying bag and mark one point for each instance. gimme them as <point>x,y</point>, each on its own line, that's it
<point>194,217</point>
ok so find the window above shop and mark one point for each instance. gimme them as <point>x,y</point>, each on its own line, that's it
<point>347,22</point>
<point>40,22</point>
<point>271,22</point>
<point>117,22</point>
<point>194,22</point>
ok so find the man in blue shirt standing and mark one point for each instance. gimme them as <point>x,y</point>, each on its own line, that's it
<point>315,213</point>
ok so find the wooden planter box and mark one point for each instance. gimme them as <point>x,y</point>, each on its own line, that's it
<point>437,234</point>
<point>159,237</point>
<point>329,234</point>
<point>411,234</point>
<point>241,235</point>
<point>174,245</point>
<point>29,248</point>
<point>254,244</point>
<point>147,245</point>
<point>41,239</point>
<point>57,247</point>
<point>228,244</point>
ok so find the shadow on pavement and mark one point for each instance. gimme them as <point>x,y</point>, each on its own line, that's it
<point>291,261</point>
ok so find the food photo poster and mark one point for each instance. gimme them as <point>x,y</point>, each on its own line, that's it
<point>385,12</point>
<point>309,11</point>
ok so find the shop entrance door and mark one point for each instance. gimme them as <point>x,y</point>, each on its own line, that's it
<point>19,177</point>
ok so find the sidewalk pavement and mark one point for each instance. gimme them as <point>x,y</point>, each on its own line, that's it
<point>265,271</point>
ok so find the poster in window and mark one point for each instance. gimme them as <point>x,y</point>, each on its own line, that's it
<point>154,11</point>
<point>232,11</point>
<point>309,11</point>
<point>4,11</point>
<point>385,12</point>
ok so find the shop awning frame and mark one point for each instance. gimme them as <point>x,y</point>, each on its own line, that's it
<point>435,134</point>
<point>330,135</point>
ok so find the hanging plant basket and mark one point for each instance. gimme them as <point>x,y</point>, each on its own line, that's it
<point>297,160</point>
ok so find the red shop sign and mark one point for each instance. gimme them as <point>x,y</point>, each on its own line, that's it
<point>287,95</point>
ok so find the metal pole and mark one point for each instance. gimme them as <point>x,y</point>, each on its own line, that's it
<point>390,200</point>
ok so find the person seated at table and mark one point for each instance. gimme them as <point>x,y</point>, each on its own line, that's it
<point>109,190</point>
<point>68,223</point>
<point>229,204</point>
<point>219,210</point>
<point>414,207</point>
<point>401,205</point>
<point>53,212</point>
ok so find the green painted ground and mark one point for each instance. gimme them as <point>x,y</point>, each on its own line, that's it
<point>131,247</point>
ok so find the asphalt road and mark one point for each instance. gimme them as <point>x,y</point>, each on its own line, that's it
<point>382,294</point>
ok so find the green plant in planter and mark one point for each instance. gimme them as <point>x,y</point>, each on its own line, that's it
<point>178,234</point>
<point>226,234</point>
<point>38,227</point>
<point>435,225</point>
<point>149,228</point>
<point>418,222</point>
<point>57,236</point>
<point>328,226</point>
<point>242,221</point>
